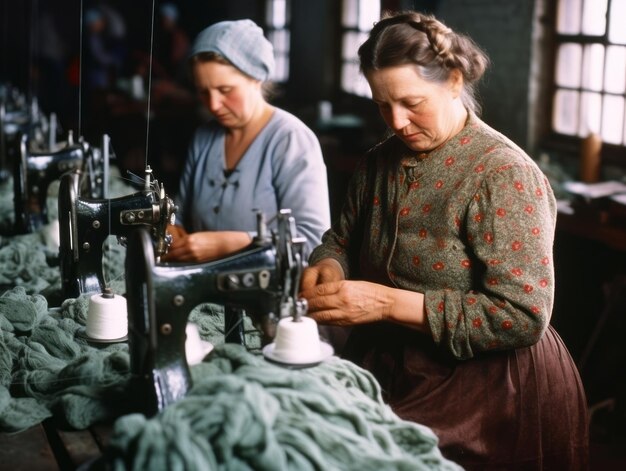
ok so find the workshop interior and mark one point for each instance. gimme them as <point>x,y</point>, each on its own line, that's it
<point>112,355</point>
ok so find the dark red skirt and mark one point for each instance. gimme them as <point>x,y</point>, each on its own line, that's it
<point>522,409</point>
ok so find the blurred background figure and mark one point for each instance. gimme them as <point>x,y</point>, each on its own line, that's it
<point>172,43</point>
<point>102,59</point>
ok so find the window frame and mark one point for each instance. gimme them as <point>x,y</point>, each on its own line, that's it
<point>271,29</point>
<point>614,154</point>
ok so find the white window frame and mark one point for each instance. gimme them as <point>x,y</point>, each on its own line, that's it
<point>357,20</point>
<point>590,70</point>
<point>278,22</point>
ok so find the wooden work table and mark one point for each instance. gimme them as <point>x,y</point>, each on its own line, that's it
<point>45,447</point>
<point>598,225</point>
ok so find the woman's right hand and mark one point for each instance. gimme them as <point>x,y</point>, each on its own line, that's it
<point>205,246</point>
<point>324,271</point>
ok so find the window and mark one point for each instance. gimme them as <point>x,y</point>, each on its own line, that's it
<point>278,19</point>
<point>358,18</point>
<point>590,74</point>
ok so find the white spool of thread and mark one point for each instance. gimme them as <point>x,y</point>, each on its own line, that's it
<point>195,348</point>
<point>297,341</point>
<point>107,317</point>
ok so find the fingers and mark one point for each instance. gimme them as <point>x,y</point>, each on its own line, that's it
<point>179,251</point>
<point>176,231</point>
<point>324,301</point>
<point>309,278</point>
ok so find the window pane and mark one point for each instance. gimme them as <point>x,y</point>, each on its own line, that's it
<point>350,13</point>
<point>351,43</point>
<point>281,71</point>
<point>277,13</point>
<point>615,78</point>
<point>594,17</point>
<point>349,76</point>
<point>568,65</point>
<point>353,81</point>
<point>566,112</point>
<point>369,13</point>
<point>280,40</point>
<point>613,119</point>
<point>593,67</point>
<point>590,111</point>
<point>362,87</point>
<point>568,21</point>
<point>617,29</point>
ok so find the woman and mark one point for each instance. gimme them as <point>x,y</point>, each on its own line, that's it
<point>441,262</point>
<point>251,157</point>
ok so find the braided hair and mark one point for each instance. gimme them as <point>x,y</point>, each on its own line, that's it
<point>414,38</point>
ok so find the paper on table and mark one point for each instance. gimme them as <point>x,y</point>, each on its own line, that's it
<point>621,198</point>
<point>595,190</point>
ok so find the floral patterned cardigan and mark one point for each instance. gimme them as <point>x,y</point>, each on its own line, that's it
<point>470,224</point>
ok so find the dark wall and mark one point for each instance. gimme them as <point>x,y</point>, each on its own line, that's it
<point>512,95</point>
<point>503,30</point>
<point>314,57</point>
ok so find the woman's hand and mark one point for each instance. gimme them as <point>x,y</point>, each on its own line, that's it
<point>204,246</point>
<point>324,271</point>
<point>348,302</point>
<point>177,232</point>
<point>334,300</point>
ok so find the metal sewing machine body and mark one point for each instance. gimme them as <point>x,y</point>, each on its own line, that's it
<point>262,278</point>
<point>33,174</point>
<point>85,224</point>
<point>16,119</point>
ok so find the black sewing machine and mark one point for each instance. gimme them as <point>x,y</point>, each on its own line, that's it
<point>85,224</point>
<point>32,176</point>
<point>16,118</point>
<point>96,168</point>
<point>262,278</point>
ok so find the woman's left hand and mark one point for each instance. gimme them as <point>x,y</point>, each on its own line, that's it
<point>348,302</point>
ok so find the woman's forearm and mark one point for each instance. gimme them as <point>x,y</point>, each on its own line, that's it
<point>406,308</point>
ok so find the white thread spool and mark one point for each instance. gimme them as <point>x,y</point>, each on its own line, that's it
<point>107,317</point>
<point>297,341</point>
<point>51,234</point>
<point>195,348</point>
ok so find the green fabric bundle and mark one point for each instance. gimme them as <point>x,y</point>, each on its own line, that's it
<point>244,413</point>
<point>47,370</point>
<point>25,262</point>
<point>44,362</point>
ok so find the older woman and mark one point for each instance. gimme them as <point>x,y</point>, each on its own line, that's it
<point>251,157</point>
<point>441,262</point>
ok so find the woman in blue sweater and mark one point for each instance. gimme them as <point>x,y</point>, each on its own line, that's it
<point>251,157</point>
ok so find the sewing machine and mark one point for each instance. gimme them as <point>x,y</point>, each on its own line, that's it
<point>33,173</point>
<point>16,118</point>
<point>97,170</point>
<point>262,278</point>
<point>85,224</point>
